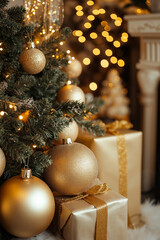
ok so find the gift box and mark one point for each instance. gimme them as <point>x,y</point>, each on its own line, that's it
<point>96,217</point>
<point>119,161</point>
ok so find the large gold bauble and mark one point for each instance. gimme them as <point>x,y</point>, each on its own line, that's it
<point>73,170</point>
<point>71,93</point>
<point>26,206</point>
<point>32,60</point>
<point>74,69</point>
<point>2,162</point>
<point>69,132</point>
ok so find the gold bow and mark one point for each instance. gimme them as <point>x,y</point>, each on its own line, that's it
<point>89,197</point>
<point>117,125</point>
<point>97,189</point>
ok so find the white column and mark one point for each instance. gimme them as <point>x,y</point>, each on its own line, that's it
<point>148,81</point>
<point>147,28</point>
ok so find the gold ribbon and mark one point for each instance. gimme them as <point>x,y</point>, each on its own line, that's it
<point>100,205</point>
<point>113,128</point>
<point>118,125</point>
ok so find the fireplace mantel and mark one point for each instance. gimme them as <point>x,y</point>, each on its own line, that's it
<point>147,28</point>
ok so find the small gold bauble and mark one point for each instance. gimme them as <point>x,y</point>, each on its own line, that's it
<point>32,60</point>
<point>26,205</point>
<point>69,132</point>
<point>73,170</point>
<point>71,93</point>
<point>2,162</point>
<point>74,69</point>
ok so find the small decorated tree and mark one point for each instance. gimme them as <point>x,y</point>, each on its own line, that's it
<point>116,103</point>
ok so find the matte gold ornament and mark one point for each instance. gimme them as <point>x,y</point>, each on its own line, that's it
<point>26,205</point>
<point>69,132</point>
<point>71,93</point>
<point>32,60</point>
<point>73,170</point>
<point>2,162</point>
<point>74,69</point>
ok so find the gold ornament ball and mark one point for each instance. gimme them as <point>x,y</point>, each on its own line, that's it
<point>26,206</point>
<point>32,60</point>
<point>74,69</point>
<point>71,93</point>
<point>69,132</point>
<point>73,170</point>
<point>2,162</point>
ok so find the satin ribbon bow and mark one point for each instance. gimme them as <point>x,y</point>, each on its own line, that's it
<point>118,125</point>
<point>89,197</point>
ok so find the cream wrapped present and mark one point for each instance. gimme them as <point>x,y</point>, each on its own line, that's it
<point>95,217</point>
<point>119,156</point>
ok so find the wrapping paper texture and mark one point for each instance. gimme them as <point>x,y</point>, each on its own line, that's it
<point>106,151</point>
<point>78,218</point>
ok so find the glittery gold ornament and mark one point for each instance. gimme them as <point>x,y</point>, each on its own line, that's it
<point>2,162</point>
<point>73,170</point>
<point>26,205</point>
<point>74,69</point>
<point>69,132</point>
<point>32,60</point>
<point>71,93</point>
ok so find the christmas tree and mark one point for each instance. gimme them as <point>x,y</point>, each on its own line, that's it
<point>31,118</point>
<point>114,96</point>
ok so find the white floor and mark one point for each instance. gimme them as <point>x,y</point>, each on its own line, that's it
<point>150,231</point>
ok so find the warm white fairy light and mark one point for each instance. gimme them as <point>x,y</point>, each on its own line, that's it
<point>34,146</point>
<point>106,28</point>
<point>95,11</point>
<point>11,106</point>
<point>91,17</point>
<point>121,63</point>
<point>61,43</point>
<point>2,113</point>
<point>93,86</point>
<point>113,16</point>
<point>109,38</point>
<point>105,34</point>
<point>80,13</point>
<point>77,33</point>
<point>20,117</point>
<point>82,39</point>
<point>116,44</point>
<point>113,60</point>
<point>90,3</point>
<point>69,82</point>
<point>93,35</point>
<point>102,11</point>
<point>78,7</point>
<point>104,63</point>
<point>86,61</point>
<point>96,51</point>
<point>87,25</point>
<point>108,52</point>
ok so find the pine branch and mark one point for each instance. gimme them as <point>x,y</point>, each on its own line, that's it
<point>3,3</point>
<point>17,13</point>
<point>93,127</point>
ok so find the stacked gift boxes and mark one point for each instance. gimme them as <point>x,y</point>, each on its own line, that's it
<point>119,163</point>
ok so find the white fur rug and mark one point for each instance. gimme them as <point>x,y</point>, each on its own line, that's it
<point>150,231</point>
